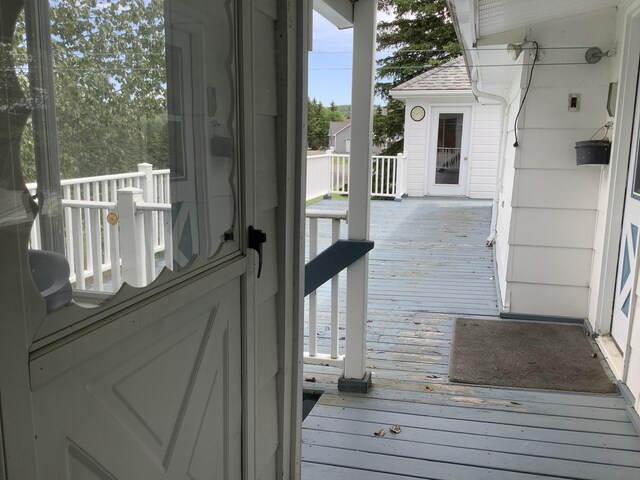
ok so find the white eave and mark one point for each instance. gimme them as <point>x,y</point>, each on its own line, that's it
<point>491,23</point>
<point>338,12</point>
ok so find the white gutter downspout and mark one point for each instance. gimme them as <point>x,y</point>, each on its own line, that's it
<point>501,157</point>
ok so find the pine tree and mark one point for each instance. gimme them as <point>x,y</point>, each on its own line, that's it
<point>421,36</point>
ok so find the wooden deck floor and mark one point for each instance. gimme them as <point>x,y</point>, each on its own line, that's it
<point>429,266</point>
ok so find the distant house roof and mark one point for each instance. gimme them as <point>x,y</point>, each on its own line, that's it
<point>337,127</point>
<point>452,76</point>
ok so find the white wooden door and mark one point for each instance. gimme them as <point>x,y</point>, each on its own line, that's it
<point>448,151</point>
<point>628,256</point>
<point>154,394</point>
<point>148,384</point>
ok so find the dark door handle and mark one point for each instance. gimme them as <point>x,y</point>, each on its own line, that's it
<point>256,239</point>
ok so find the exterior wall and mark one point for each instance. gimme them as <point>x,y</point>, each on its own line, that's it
<point>505,195</point>
<point>555,203</point>
<point>483,148</point>
<point>342,141</point>
<point>485,144</point>
<point>612,196</point>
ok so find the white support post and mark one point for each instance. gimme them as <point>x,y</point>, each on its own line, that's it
<point>364,47</point>
<point>146,182</point>
<point>131,237</point>
<point>399,177</point>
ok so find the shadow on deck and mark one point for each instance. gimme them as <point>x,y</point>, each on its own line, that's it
<point>429,266</point>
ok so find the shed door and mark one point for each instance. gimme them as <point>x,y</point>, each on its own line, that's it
<point>448,151</point>
<point>134,366</point>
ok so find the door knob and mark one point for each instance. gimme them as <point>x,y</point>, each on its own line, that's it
<point>255,241</point>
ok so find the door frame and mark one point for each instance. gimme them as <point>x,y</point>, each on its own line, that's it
<point>465,150</point>
<point>619,171</point>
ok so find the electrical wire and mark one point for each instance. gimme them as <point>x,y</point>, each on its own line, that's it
<point>524,97</point>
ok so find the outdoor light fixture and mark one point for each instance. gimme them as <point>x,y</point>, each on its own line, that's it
<point>515,49</point>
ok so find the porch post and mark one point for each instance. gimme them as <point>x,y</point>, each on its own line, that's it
<point>355,376</point>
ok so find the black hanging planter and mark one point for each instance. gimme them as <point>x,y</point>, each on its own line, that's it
<point>593,152</point>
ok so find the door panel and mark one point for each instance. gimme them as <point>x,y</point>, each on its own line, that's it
<point>628,253</point>
<point>448,151</point>
<point>163,403</point>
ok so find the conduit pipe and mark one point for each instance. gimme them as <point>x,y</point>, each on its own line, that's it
<point>501,156</point>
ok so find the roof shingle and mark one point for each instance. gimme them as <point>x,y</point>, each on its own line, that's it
<point>450,76</point>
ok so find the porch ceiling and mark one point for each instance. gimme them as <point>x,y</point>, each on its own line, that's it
<point>338,12</point>
<point>499,16</point>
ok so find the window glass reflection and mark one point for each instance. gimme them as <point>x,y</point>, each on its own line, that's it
<point>448,153</point>
<point>129,149</point>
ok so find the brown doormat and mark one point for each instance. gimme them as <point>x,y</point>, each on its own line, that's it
<point>526,355</point>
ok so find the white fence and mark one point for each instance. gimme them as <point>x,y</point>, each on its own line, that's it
<point>331,356</point>
<point>329,174</point>
<point>99,252</point>
<point>132,248</point>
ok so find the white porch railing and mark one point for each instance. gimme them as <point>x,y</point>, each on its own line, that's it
<point>95,248</point>
<point>329,174</point>
<point>313,355</point>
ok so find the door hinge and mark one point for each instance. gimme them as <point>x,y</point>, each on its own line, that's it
<point>255,241</point>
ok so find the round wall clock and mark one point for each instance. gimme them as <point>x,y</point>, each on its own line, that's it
<point>417,113</point>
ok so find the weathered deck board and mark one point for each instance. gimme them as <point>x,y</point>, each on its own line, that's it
<point>429,266</point>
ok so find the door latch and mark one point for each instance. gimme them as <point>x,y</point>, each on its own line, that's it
<point>256,239</point>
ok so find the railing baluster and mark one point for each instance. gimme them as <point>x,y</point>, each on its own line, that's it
<point>104,196</point>
<point>78,252</point>
<point>168,241</point>
<point>68,235</point>
<point>335,289</point>
<point>86,195</point>
<point>116,274</point>
<point>96,248</point>
<point>149,245</point>
<point>313,299</point>
<point>388,179</point>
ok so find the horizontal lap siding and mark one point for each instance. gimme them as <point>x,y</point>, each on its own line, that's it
<point>555,203</point>
<point>484,150</point>
<point>415,147</point>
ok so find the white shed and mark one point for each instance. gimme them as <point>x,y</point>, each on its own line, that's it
<point>451,141</point>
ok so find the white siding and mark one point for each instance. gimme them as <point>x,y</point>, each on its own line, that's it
<point>483,148</point>
<point>415,147</point>
<point>505,194</point>
<point>555,203</point>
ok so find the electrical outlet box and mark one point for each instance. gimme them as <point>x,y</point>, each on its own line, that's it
<point>574,102</point>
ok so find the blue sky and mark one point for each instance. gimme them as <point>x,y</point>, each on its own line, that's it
<point>330,62</point>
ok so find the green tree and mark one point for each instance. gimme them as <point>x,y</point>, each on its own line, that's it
<point>421,35</point>
<point>319,118</point>
<point>110,86</point>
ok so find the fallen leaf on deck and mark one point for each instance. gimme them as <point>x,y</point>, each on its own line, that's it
<point>310,379</point>
<point>434,376</point>
<point>515,403</point>
<point>371,366</point>
<point>369,321</point>
<point>417,323</point>
<point>395,429</point>
<point>379,433</point>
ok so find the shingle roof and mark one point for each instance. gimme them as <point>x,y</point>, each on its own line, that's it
<point>450,76</point>
<point>335,127</point>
